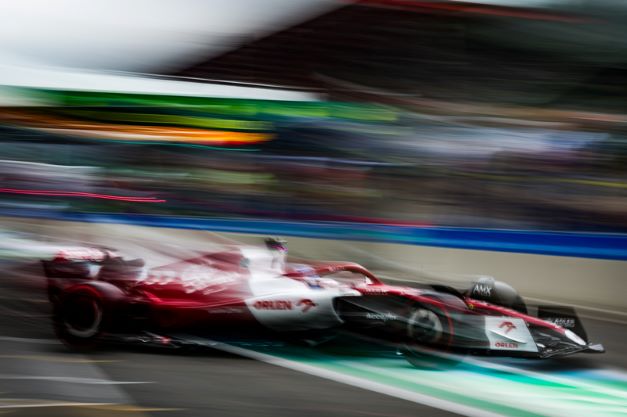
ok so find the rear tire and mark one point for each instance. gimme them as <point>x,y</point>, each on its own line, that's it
<point>79,319</point>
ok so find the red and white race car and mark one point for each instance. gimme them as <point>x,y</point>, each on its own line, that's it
<point>98,296</point>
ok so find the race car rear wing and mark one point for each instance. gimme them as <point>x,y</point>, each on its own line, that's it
<point>75,262</point>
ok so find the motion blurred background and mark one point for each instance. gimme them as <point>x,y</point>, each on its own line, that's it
<point>428,140</point>
<point>490,114</point>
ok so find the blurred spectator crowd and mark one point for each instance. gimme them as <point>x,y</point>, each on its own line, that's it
<point>474,116</point>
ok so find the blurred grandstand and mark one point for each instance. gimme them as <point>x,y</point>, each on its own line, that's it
<point>443,113</point>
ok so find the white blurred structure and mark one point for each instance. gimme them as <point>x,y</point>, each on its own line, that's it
<point>66,79</point>
<point>139,35</point>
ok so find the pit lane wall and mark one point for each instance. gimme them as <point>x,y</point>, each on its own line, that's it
<point>583,269</point>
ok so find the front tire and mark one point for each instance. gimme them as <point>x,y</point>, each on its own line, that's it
<point>425,327</point>
<point>428,331</point>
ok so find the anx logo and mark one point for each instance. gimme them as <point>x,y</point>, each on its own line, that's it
<point>508,325</point>
<point>482,290</point>
<point>306,305</point>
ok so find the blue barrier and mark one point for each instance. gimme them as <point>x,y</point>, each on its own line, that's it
<point>576,244</point>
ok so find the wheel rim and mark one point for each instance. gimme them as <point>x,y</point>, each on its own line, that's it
<point>83,317</point>
<point>425,326</point>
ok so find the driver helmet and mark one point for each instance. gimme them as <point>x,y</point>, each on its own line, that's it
<point>278,248</point>
<point>277,244</point>
<point>497,292</point>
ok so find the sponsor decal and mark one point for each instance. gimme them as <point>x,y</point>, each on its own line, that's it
<point>566,322</point>
<point>508,326</point>
<point>80,254</point>
<point>506,345</point>
<point>195,278</point>
<point>306,304</point>
<point>313,283</point>
<point>226,310</point>
<point>273,305</point>
<point>204,278</point>
<point>482,290</point>
<point>381,316</point>
<point>509,333</point>
<point>304,269</point>
<point>374,290</point>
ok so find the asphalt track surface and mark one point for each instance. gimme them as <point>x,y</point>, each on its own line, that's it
<point>40,377</point>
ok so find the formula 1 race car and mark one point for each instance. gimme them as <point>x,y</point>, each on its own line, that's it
<point>97,295</point>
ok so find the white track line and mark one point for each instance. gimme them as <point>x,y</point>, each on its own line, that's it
<point>358,382</point>
<point>59,404</point>
<point>70,379</point>
<point>30,340</point>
